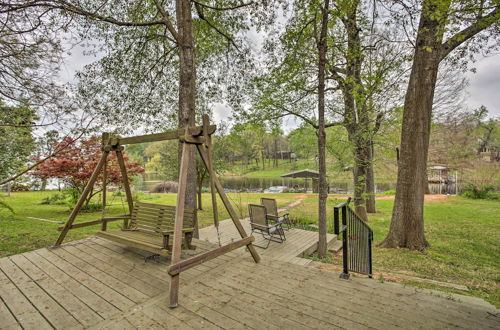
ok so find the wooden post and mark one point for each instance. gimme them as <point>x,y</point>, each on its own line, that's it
<point>227,204</point>
<point>126,185</point>
<point>179,218</point>
<point>105,140</point>
<point>80,202</point>
<point>208,142</point>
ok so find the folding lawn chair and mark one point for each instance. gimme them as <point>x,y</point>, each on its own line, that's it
<point>272,212</point>
<point>259,222</point>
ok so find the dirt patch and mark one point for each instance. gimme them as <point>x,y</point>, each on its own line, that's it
<point>428,198</point>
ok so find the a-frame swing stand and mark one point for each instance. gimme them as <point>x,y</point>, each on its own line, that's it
<point>199,136</point>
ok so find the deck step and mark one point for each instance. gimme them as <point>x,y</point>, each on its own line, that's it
<point>335,246</point>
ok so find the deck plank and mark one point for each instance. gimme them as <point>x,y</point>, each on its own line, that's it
<point>119,286</point>
<point>90,298</point>
<point>121,302</point>
<point>6,316</point>
<point>56,315</point>
<point>113,269</point>
<point>409,300</point>
<point>77,308</point>
<point>137,270</point>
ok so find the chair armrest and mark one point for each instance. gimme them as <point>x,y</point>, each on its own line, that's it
<point>272,217</point>
<point>277,224</point>
<point>284,216</point>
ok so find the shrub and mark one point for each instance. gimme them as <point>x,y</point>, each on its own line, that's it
<point>390,192</point>
<point>17,187</point>
<point>57,199</point>
<point>118,193</point>
<point>253,168</point>
<point>91,207</point>
<point>474,192</point>
<point>165,187</point>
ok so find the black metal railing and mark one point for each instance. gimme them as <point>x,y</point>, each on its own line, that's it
<point>357,240</point>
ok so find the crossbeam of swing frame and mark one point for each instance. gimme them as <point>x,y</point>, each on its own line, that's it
<point>192,131</point>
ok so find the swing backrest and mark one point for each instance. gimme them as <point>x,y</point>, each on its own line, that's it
<point>156,218</point>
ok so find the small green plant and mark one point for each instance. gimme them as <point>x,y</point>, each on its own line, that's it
<point>390,192</point>
<point>92,207</point>
<point>118,193</point>
<point>381,278</point>
<point>485,192</point>
<point>57,199</point>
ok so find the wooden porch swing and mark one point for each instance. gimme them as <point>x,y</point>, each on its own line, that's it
<point>145,221</point>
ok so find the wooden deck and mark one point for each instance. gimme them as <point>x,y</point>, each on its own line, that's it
<point>298,242</point>
<point>94,283</point>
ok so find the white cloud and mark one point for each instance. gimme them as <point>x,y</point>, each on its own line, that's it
<point>484,86</point>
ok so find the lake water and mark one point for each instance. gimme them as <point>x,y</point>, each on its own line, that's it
<point>246,184</point>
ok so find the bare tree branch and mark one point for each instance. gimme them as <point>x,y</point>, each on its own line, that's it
<point>64,5</point>
<point>199,10</point>
<point>167,19</point>
<point>223,8</point>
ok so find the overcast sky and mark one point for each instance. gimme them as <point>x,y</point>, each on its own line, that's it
<point>484,85</point>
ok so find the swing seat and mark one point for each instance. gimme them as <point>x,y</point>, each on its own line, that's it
<point>151,226</point>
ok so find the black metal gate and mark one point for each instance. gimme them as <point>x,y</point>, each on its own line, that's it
<point>357,240</point>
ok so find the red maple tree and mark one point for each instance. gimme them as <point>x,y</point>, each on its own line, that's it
<point>76,163</point>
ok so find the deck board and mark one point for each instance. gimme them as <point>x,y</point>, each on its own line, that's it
<point>72,304</point>
<point>99,284</point>
<point>45,304</point>
<point>297,241</point>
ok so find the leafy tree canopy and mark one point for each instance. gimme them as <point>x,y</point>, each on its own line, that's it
<point>76,162</point>
<point>16,138</point>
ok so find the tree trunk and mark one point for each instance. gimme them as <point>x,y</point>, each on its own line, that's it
<point>370,183</point>
<point>322,188</point>
<point>361,154</point>
<point>187,89</point>
<point>44,185</point>
<point>407,225</point>
<point>356,116</point>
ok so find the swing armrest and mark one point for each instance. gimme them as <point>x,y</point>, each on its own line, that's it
<point>120,217</point>
<point>95,222</point>
<point>171,232</point>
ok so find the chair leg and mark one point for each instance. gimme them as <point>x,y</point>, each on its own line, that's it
<point>282,234</point>
<point>282,231</point>
<point>286,220</point>
<point>269,241</point>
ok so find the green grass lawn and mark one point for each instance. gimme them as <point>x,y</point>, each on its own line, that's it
<point>464,234</point>
<point>465,243</point>
<point>19,234</point>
